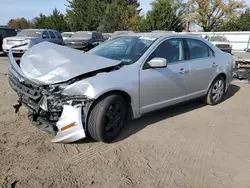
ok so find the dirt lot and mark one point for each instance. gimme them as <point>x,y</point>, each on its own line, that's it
<point>191,145</point>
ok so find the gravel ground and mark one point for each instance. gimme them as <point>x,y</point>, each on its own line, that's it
<point>190,145</point>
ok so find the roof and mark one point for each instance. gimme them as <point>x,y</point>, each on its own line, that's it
<point>160,34</point>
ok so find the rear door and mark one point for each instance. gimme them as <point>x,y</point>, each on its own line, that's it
<point>202,67</point>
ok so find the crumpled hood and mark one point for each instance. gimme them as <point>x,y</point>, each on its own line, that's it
<point>48,63</point>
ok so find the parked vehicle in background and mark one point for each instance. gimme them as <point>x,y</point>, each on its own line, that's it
<point>67,35</point>
<point>242,65</point>
<point>106,36</point>
<point>84,40</point>
<point>73,94</point>
<point>6,32</point>
<point>221,42</point>
<point>119,33</point>
<point>30,37</point>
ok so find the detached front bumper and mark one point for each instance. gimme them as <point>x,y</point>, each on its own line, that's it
<point>69,127</point>
<point>65,122</point>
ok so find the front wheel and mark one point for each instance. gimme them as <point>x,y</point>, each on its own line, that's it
<point>216,91</point>
<point>107,117</point>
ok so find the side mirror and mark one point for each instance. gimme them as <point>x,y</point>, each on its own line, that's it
<point>158,63</point>
<point>44,36</point>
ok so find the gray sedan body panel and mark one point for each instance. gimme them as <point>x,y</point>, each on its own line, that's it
<point>148,88</point>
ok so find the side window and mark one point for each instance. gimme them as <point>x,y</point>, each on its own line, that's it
<point>11,32</point>
<point>94,36</point>
<point>198,49</point>
<point>52,35</point>
<point>172,50</point>
<point>45,35</point>
<point>3,33</point>
<point>58,35</point>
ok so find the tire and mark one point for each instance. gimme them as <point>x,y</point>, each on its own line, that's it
<point>216,88</point>
<point>107,118</point>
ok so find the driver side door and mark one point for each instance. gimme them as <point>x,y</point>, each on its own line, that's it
<point>161,87</point>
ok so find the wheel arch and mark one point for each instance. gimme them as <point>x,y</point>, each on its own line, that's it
<point>125,95</point>
<point>221,74</point>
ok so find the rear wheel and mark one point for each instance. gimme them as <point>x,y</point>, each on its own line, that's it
<point>107,117</point>
<point>216,91</point>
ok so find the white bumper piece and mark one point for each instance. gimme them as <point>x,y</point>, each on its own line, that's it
<point>70,115</point>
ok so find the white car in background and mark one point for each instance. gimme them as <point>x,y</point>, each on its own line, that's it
<point>29,37</point>
<point>67,35</point>
<point>221,42</point>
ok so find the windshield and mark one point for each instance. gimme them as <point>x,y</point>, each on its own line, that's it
<point>82,35</point>
<point>66,34</point>
<point>29,33</point>
<point>219,39</point>
<point>127,49</point>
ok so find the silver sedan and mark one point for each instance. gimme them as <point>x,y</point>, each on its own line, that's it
<point>73,94</point>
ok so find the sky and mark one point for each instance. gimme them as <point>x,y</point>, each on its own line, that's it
<point>31,8</point>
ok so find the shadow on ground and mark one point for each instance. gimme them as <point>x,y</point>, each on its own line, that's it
<point>156,116</point>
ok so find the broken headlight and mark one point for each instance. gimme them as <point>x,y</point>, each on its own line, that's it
<point>55,103</point>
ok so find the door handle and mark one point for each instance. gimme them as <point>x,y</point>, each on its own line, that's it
<point>182,71</point>
<point>215,65</point>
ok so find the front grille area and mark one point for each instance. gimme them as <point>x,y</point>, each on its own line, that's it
<point>223,45</point>
<point>26,89</point>
<point>30,95</point>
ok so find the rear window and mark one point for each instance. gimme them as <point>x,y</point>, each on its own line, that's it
<point>11,32</point>
<point>82,34</point>
<point>58,35</point>
<point>67,34</point>
<point>3,32</point>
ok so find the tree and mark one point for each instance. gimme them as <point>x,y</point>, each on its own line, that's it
<point>165,15</point>
<point>213,13</point>
<point>56,21</point>
<point>41,21</point>
<point>241,23</point>
<point>84,14</point>
<point>19,23</point>
<point>119,15</point>
<point>90,15</point>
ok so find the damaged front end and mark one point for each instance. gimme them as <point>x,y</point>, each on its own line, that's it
<point>61,115</point>
<point>242,69</point>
